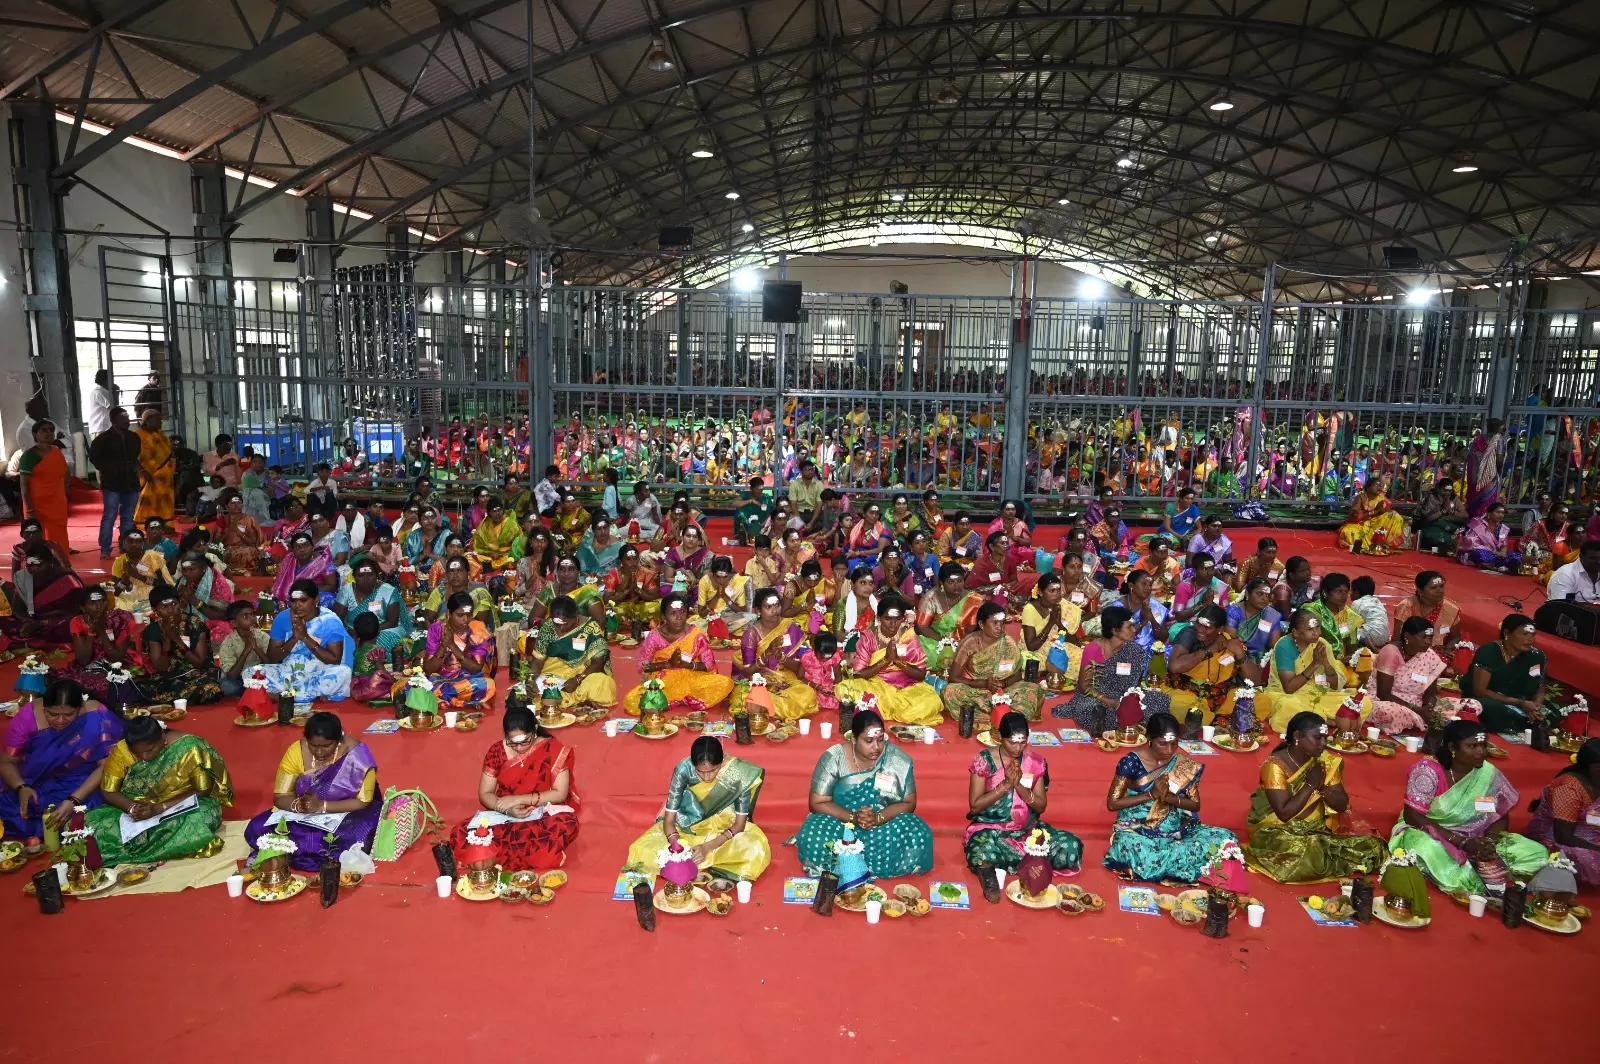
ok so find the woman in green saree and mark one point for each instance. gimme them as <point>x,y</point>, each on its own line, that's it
<point>1157,836</point>
<point>987,663</point>
<point>871,786</point>
<point>1457,808</point>
<point>749,518</point>
<point>153,773</point>
<point>1007,792</point>
<point>946,613</point>
<point>601,546</point>
<point>710,801</point>
<point>571,647</point>
<point>1294,815</point>
<point>497,541</point>
<point>1508,678</point>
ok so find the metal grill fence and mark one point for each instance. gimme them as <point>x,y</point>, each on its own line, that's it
<point>983,398</point>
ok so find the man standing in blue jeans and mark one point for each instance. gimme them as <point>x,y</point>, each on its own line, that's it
<point>115,455</point>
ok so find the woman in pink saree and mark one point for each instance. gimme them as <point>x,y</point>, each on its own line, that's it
<point>1011,523</point>
<point>1006,799</point>
<point>1403,678</point>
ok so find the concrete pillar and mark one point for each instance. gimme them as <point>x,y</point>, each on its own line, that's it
<point>193,409</point>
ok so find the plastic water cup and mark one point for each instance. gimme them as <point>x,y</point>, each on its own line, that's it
<point>1413,744</point>
<point>180,704</point>
<point>1207,732</point>
<point>235,886</point>
<point>805,725</point>
<point>61,872</point>
<point>1527,736</point>
<point>744,891</point>
<point>1347,888</point>
<point>450,718</point>
<point>1000,878</point>
<point>611,729</point>
<point>444,886</point>
<point>1255,914</point>
<point>929,735</point>
<point>1476,904</point>
<point>1373,733</point>
<point>826,729</point>
<point>874,910</point>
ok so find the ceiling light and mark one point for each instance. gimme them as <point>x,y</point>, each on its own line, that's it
<point>1063,201</point>
<point>702,148</point>
<point>730,195</point>
<point>1419,297</point>
<point>897,197</point>
<point>658,58</point>
<point>948,96</point>
<point>1223,104</point>
<point>1465,163</point>
<point>1213,238</point>
<point>1124,162</point>
<point>748,228</point>
<point>747,280</point>
<point>1091,288</point>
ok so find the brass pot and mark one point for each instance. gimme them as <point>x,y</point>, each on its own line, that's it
<point>677,894</point>
<point>81,877</point>
<point>273,872</point>
<point>482,879</point>
<point>1551,908</point>
<point>1129,734</point>
<point>549,710</point>
<point>1397,905</point>
<point>652,722</point>
<point>419,719</point>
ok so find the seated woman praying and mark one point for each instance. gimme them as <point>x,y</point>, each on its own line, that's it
<point>1206,666</point>
<point>1485,542</point>
<point>241,536</point>
<point>710,801</point>
<point>456,580</point>
<point>1155,792</point>
<point>633,593</point>
<point>989,662</point>
<point>573,649</point>
<point>102,645</point>
<point>1508,678</point>
<point>1049,622</point>
<point>327,785</point>
<point>772,647</point>
<point>888,663</point>
<point>529,794</point>
<point>722,602</point>
<point>1304,676</point>
<point>173,786</point>
<point>368,593</point>
<point>51,760</point>
<point>1007,793</point>
<point>1456,814</point>
<point>867,784</point>
<point>309,654</point>
<point>205,592</point>
<point>458,657</point>
<point>569,582</point>
<point>947,612</point>
<point>1566,818</point>
<point>679,654</point>
<point>1403,683</point>
<point>1113,664</point>
<point>1374,527</point>
<point>177,654</point>
<point>43,597</point>
<point>1294,815</point>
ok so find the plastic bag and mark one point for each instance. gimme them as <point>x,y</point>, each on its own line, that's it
<point>356,860</point>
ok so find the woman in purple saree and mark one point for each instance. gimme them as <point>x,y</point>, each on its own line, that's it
<point>51,758</point>
<point>327,783</point>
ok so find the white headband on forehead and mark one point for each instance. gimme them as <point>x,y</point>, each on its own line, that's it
<point>1530,629</point>
<point>873,731</point>
<point>1480,737</point>
<point>298,596</point>
<point>1322,729</point>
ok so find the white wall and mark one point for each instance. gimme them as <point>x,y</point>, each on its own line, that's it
<point>955,277</point>
<point>15,347</point>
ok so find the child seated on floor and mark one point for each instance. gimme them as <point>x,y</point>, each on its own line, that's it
<point>371,681</point>
<point>822,669</point>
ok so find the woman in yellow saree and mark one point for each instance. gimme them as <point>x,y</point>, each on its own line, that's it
<point>572,521</point>
<point>495,544</point>
<point>772,647</point>
<point>573,649</point>
<point>156,469</point>
<point>153,773</point>
<point>633,593</point>
<point>1206,667</point>
<point>1304,676</point>
<point>1374,526</point>
<point>1341,628</point>
<point>1048,620</point>
<point>1294,815</point>
<point>679,655</point>
<point>710,801</point>
<point>888,663</point>
<point>722,602</point>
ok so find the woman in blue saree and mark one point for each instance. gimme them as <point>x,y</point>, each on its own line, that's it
<point>327,784</point>
<point>1157,836</point>
<point>870,786</point>
<point>1254,620</point>
<point>51,759</point>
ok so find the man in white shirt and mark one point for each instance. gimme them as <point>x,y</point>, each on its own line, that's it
<point>34,409</point>
<point>102,398</point>
<point>545,493</point>
<point>1364,600</point>
<point>1579,580</point>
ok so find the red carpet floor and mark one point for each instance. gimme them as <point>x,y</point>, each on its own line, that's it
<point>393,972</point>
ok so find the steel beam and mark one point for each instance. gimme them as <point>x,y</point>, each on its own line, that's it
<point>208,187</point>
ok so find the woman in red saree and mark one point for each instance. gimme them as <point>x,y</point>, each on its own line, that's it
<point>529,794</point>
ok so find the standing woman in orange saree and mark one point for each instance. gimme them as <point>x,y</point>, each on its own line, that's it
<point>156,469</point>
<point>44,484</point>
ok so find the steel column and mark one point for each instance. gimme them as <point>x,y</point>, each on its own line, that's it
<point>1014,461</point>
<point>208,192</point>
<point>1258,394</point>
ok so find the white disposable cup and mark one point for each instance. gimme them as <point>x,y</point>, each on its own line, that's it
<point>805,725</point>
<point>874,910</point>
<point>1527,736</point>
<point>1373,733</point>
<point>235,886</point>
<point>826,728</point>
<point>1207,732</point>
<point>180,704</point>
<point>444,886</point>
<point>744,891</point>
<point>61,872</point>
<point>1000,878</point>
<point>450,718</point>
<point>1255,914</point>
<point>928,735</point>
<point>1413,744</point>
<point>611,729</point>
<point>1476,904</point>
<point>1346,889</point>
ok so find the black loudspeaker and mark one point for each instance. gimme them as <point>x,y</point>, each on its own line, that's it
<point>780,301</point>
<point>676,236</point>
<point>1401,258</point>
<point>1569,620</point>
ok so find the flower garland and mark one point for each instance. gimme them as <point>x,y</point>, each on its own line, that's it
<point>1563,862</point>
<point>1400,858</point>
<point>32,666</point>
<point>275,843</point>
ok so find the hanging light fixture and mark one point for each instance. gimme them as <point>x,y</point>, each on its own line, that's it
<point>1221,103</point>
<point>948,96</point>
<point>702,147</point>
<point>658,58</point>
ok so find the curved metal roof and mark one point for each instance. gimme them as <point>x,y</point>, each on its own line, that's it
<point>1353,122</point>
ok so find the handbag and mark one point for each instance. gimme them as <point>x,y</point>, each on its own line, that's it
<point>406,817</point>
